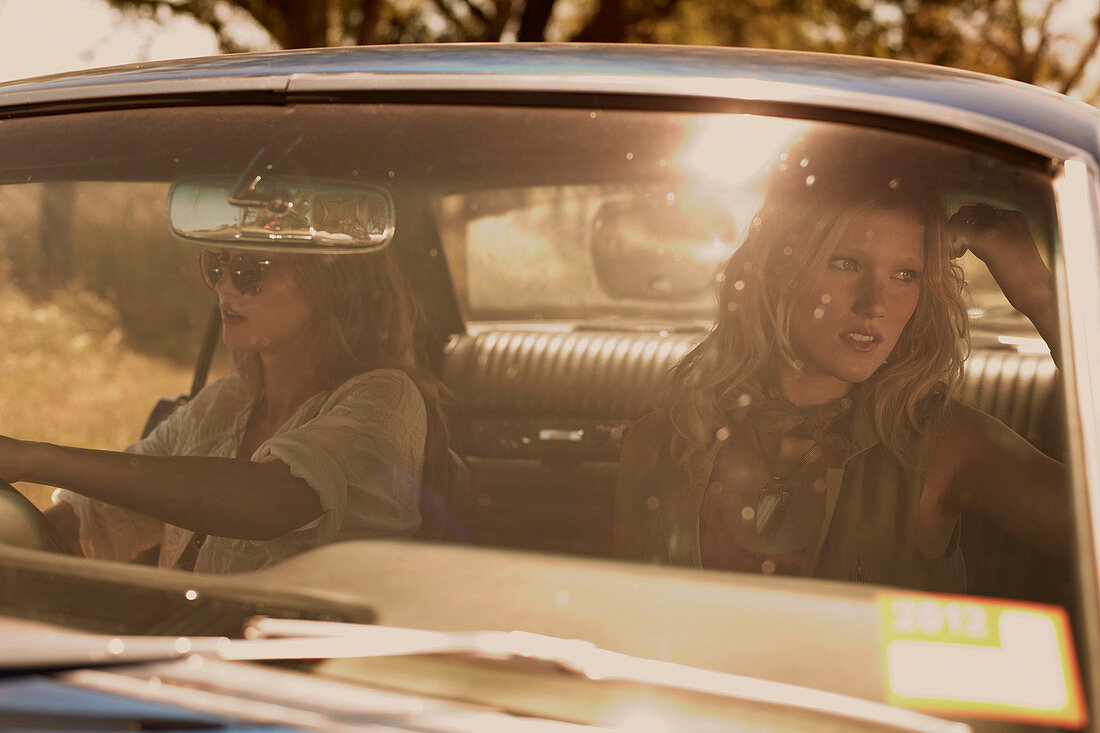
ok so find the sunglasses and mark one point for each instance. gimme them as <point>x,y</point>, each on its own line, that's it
<point>245,272</point>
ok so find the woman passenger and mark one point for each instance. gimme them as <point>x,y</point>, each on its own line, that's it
<point>811,432</point>
<point>324,431</point>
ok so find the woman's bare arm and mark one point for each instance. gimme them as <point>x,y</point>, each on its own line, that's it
<point>220,496</point>
<point>1000,476</point>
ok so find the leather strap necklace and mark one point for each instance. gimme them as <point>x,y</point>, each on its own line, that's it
<point>775,494</point>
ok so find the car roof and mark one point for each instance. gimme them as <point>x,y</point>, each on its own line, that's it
<point>1022,114</point>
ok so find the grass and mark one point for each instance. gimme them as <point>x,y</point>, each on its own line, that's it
<point>101,312</point>
<point>69,376</point>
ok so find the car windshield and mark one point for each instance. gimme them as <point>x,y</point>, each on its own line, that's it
<point>783,312</point>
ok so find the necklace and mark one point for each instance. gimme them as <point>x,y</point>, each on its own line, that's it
<point>775,494</point>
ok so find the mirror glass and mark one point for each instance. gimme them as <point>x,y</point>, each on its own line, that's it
<point>294,215</point>
<point>670,247</point>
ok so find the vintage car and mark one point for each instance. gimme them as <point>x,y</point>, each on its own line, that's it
<point>563,212</point>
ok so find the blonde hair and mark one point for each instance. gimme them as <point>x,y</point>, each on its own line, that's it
<point>788,245</point>
<point>365,317</point>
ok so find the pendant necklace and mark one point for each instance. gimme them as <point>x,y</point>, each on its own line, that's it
<point>775,494</point>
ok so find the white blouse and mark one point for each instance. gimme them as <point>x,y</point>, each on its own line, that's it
<point>359,446</point>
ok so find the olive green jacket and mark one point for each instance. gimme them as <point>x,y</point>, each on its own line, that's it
<point>869,533</point>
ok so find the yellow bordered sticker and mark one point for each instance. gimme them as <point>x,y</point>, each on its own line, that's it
<point>981,658</point>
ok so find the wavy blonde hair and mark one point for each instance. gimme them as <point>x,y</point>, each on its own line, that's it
<point>807,206</point>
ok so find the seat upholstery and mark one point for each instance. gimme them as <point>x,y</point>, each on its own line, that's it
<point>539,421</point>
<point>540,416</point>
<point>530,394</point>
<point>1017,389</point>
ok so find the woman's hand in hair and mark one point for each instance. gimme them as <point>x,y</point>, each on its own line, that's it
<point>1002,240</point>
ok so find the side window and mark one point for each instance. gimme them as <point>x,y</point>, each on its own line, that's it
<point>101,310</point>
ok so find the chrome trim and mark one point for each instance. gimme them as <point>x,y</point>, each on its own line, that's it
<point>285,639</point>
<point>131,89</point>
<point>734,89</point>
<point>754,90</point>
<point>1077,273</point>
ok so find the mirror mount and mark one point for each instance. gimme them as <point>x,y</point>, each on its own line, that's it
<point>247,192</point>
<point>248,195</point>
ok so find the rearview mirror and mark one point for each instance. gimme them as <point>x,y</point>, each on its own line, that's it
<point>284,214</point>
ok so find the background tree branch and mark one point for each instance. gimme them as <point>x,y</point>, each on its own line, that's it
<point>995,36</point>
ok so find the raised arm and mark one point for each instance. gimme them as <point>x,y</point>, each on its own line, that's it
<point>220,496</point>
<point>985,466</point>
<point>1002,240</point>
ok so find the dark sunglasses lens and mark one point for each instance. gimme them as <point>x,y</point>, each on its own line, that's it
<point>247,275</point>
<point>210,263</point>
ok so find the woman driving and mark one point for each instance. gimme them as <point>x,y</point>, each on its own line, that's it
<point>325,430</point>
<point>811,432</point>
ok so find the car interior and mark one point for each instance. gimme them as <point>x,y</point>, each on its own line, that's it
<point>542,399</point>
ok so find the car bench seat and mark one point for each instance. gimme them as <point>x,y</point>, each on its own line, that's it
<point>540,418</point>
<point>540,421</point>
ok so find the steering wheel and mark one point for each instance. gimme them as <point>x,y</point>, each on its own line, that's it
<point>23,525</point>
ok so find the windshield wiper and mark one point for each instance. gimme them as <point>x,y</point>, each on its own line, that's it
<point>284,639</point>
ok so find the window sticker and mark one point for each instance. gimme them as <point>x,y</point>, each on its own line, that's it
<point>979,658</point>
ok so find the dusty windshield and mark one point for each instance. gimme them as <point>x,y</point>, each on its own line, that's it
<point>577,313</point>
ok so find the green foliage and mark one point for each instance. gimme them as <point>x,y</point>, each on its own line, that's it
<point>1011,38</point>
<point>116,247</point>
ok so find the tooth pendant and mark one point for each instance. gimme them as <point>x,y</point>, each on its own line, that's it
<point>770,506</point>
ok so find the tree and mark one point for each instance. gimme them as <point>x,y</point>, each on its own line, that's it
<point>1034,41</point>
<point>1027,40</point>
<point>316,23</point>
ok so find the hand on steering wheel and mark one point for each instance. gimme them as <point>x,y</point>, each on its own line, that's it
<point>23,525</point>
